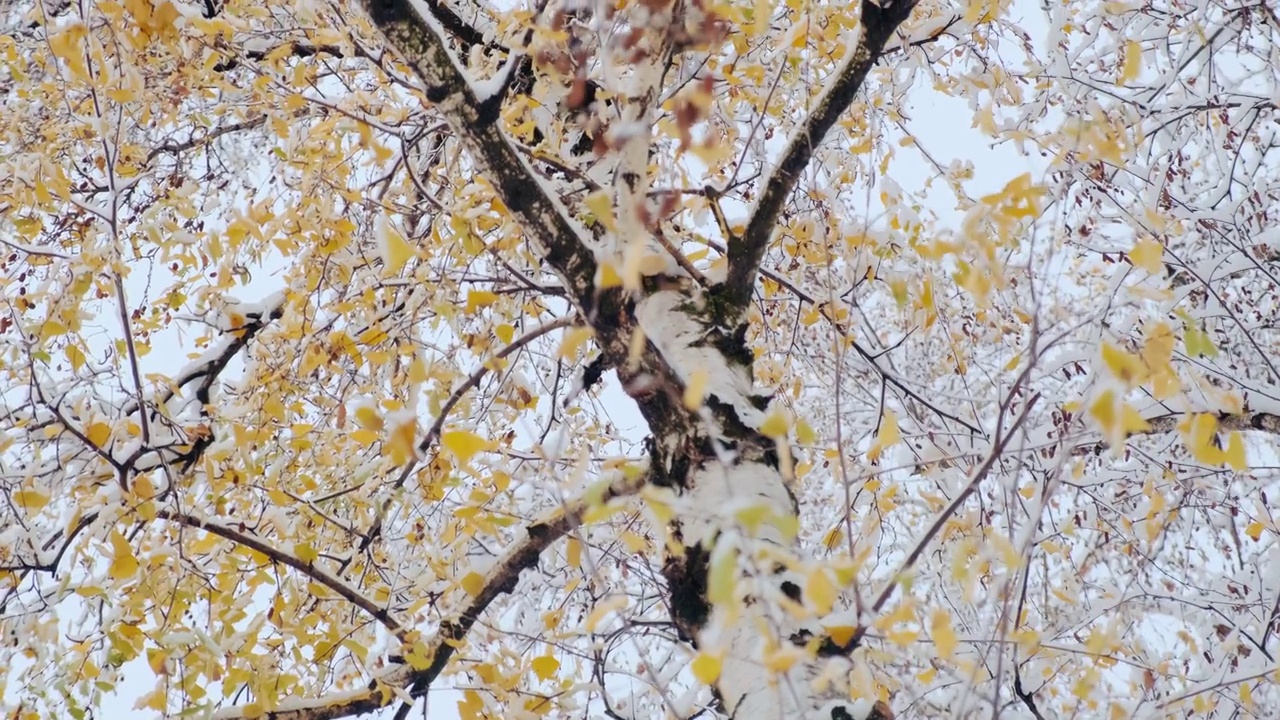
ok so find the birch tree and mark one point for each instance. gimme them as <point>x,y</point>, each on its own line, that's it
<point>594,359</point>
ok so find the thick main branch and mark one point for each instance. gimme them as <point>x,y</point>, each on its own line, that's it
<point>421,42</point>
<point>879,21</point>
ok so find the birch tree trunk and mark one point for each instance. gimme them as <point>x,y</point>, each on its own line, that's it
<point>679,343</point>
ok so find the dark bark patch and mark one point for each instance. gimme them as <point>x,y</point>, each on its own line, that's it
<point>733,346</point>
<point>687,582</point>
<point>489,110</point>
<point>791,590</point>
<point>729,421</point>
<point>831,648</point>
<point>436,93</point>
<point>384,12</point>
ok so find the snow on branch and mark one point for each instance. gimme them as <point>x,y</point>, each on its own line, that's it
<point>204,370</point>
<point>309,569</point>
<point>879,21</point>
<point>412,30</point>
<point>1173,422</point>
<point>407,681</point>
<point>437,427</point>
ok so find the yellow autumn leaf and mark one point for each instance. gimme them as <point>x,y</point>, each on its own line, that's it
<point>480,298</point>
<point>368,417</point>
<point>750,517</point>
<point>418,372</point>
<point>123,562</point>
<point>505,332</point>
<point>722,576</point>
<point>1199,432</point>
<point>810,315</point>
<point>805,434</point>
<point>977,12</point>
<point>833,538</point>
<point>762,13</point>
<point>898,288</point>
<point>712,152</point>
<point>696,389</point>
<point>650,264</point>
<point>1254,530</point>
<point>841,634</point>
<point>944,635</point>
<point>471,707</point>
<point>418,655</point>
<point>1132,63</point>
<point>905,612</point>
<point>1116,418</point>
<point>775,424</point>
<point>1234,455</point>
<point>888,436</point>
<point>463,444</point>
<point>98,433</point>
<point>572,342</point>
<point>374,335</point>
<point>1148,255</point>
<point>607,276</point>
<point>306,552</point>
<point>402,441</point>
<point>1131,421</point>
<point>819,592</point>
<point>67,45</point>
<point>472,584</point>
<point>635,542</point>
<point>706,668</point>
<point>545,667</point>
<point>1123,365</point>
<point>205,544</point>
<point>1157,353</point>
<point>780,659</point>
<point>396,251</point>
<point>600,205</point>
<point>30,499</point>
<point>364,436</point>
<point>75,356</point>
<point>156,700</point>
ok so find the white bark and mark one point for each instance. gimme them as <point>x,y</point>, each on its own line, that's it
<point>758,624</point>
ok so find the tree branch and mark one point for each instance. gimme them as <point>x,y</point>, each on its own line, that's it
<point>500,579</point>
<point>1259,421</point>
<point>437,427</point>
<point>872,359</point>
<point>309,569</point>
<point>421,42</point>
<point>879,21</point>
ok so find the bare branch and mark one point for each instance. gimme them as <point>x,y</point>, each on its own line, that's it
<point>1261,421</point>
<point>309,569</point>
<point>879,21</point>
<point>500,579</point>
<point>422,43</point>
<point>1159,424</point>
<point>433,434</point>
<point>872,359</point>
